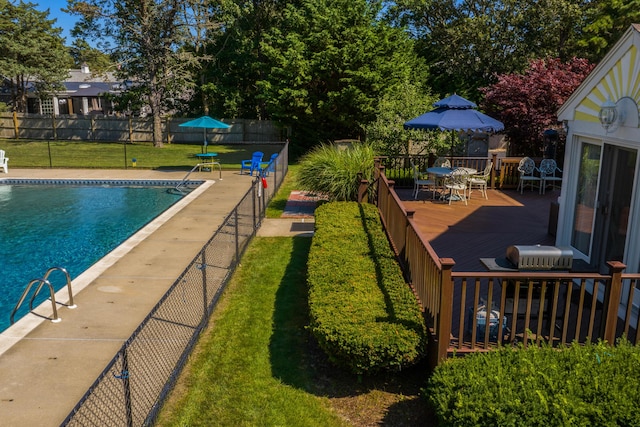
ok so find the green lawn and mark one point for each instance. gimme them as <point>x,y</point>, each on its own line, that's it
<point>257,365</point>
<point>251,367</point>
<point>116,155</point>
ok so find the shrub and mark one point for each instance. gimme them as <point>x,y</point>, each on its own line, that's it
<point>363,314</point>
<point>579,385</point>
<point>335,172</point>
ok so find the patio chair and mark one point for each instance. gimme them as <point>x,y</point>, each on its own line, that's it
<point>527,169</point>
<point>456,183</point>
<point>442,162</point>
<point>252,165</point>
<point>4,162</point>
<point>420,184</point>
<point>548,169</point>
<point>270,166</point>
<point>480,181</point>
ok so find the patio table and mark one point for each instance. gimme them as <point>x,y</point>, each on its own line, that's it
<point>207,158</point>
<point>443,172</point>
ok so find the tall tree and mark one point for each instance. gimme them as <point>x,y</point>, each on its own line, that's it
<point>83,53</point>
<point>238,57</point>
<point>32,53</point>
<point>329,64</point>
<point>147,39</point>
<point>527,103</point>
<point>387,134</point>
<point>468,42</point>
<point>607,21</point>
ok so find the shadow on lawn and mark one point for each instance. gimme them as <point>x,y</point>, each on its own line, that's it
<point>384,400</point>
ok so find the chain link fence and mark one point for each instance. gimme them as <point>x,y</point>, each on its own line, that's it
<point>132,388</point>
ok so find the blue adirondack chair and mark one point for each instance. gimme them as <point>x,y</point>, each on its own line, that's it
<point>253,164</point>
<point>270,166</point>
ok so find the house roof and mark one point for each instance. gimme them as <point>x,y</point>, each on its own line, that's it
<point>85,76</point>
<point>81,82</point>
<point>617,76</point>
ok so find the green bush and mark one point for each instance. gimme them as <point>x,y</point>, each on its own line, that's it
<point>363,314</point>
<point>579,385</point>
<point>336,172</point>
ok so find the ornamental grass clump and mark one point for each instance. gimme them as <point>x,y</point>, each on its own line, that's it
<point>336,172</point>
<point>362,313</point>
<point>580,385</point>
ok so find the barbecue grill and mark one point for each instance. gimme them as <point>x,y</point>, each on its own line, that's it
<point>539,257</point>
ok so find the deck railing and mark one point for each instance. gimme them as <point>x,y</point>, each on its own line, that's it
<point>528,307</point>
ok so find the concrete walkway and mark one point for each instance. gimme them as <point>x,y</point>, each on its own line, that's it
<point>297,218</point>
<point>45,367</point>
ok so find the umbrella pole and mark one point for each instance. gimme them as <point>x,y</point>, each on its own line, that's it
<point>452,145</point>
<point>204,144</point>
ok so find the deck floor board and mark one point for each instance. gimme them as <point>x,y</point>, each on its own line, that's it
<point>484,228</point>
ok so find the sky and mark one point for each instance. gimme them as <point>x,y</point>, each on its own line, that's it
<point>64,20</point>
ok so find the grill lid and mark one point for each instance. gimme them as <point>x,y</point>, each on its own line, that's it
<point>539,257</point>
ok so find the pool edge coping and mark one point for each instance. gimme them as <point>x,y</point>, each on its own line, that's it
<point>20,329</point>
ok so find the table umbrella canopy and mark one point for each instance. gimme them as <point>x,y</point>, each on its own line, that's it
<point>455,113</point>
<point>205,122</point>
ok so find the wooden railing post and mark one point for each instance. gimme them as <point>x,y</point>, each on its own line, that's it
<point>612,300</point>
<point>362,191</point>
<point>492,180</point>
<point>445,311</point>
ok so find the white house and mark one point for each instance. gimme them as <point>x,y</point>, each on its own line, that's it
<point>599,215</point>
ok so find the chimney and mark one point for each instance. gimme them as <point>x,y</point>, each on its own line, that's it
<point>84,68</point>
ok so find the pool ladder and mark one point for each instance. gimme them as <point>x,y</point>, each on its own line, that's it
<point>41,282</point>
<point>185,180</point>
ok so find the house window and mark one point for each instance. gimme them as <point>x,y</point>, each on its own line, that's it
<point>584,212</point>
<point>46,106</point>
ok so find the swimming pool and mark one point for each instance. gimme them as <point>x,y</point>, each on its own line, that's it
<point>70,226</point>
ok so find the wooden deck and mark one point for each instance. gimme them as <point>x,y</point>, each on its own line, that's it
<point>483,228</point>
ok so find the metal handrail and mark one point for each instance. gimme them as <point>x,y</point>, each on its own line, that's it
<point>44,281</point>
<point>26,291</point>
<point>199,165</point>
<point>70,304</point>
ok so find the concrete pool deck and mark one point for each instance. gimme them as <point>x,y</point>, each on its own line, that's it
<point>45,367</point>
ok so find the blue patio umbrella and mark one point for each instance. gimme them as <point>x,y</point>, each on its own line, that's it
<point>455,113</point>
<point>205,122</point>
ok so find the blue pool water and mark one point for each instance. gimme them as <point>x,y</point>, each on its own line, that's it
<point>44,226</point>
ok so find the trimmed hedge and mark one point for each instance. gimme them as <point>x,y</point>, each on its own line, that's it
<point>363,314</point>
<point>580,385</point>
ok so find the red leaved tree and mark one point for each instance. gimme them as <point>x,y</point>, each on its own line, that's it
<point>528,103</point>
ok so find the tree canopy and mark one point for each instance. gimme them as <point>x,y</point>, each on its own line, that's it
<point>148,38</point>
<point>528,103</point>
<point>326,69</point>
<point>318,67</point>
<point>468,42</point>
<point>32,53</point>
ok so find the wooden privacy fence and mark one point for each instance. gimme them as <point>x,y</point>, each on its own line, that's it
<point>132,129</point>
<point>472,311</point>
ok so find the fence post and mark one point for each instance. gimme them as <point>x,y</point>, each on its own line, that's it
<point>612,300</point>
<point>204,281</point>
<point>236,219</point>
<point>124,376</point>
<point>445,309</point>
<point>16,132</point>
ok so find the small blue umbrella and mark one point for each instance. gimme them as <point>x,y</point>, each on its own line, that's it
<point>205,122</point>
